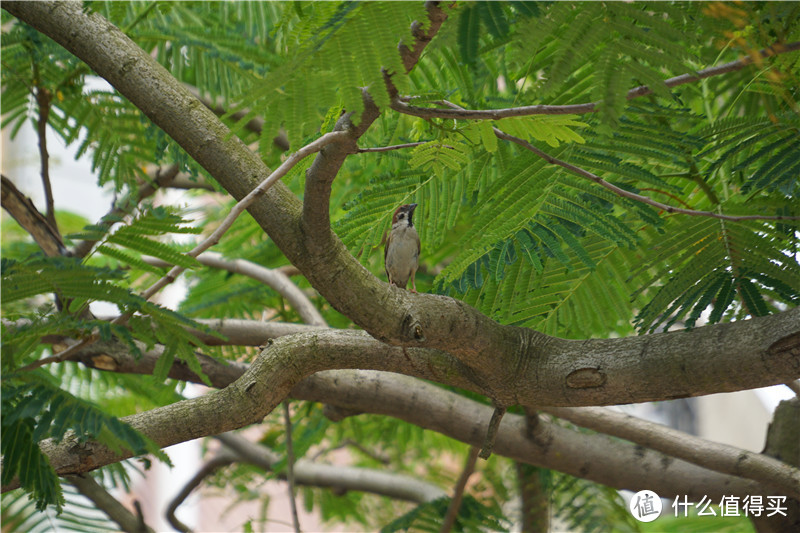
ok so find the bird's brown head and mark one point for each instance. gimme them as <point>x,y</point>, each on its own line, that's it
<point>404,212</point>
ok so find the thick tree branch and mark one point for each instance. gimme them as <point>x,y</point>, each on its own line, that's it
<point>591,456</point>
<point>534,498</point>
<point>305,239</point>
<point>30,219</point>
<point>290,359</point>
<point>240,332</point>
<point>399,105</point>
<point>737,356</point>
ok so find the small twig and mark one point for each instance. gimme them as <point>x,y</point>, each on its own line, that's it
<point>458,493</point>
<point>388,148</point>
<point>43,98</point>
<point>436,17</point>
<point>61,356</point>
<point>628,194</point>
<point>137,506</point>
<point>794,385</point>
<point>211,466</point>
<point>491,432</point>
<point>531,422</point>
<point>290,466</point>
<point>360,447</point>
<point>399,105</point>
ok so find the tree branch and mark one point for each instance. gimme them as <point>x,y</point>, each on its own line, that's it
<point>43,97</point>
<point>30,219</point>
<point>458,493</point>
<point>400,106</point>
<point>244,203</point>
<point>289,360</point>
<point>594,371</point>
<point>595,457</point>
<point>221,460</point>
<point>272,278</point>
<point>628,194</point>
<point>390,148</point>
<point>737,356</point>
<point>306,239</point>
<point>207,243</point>
<point>422,37</point>
<point>718,457</point>
<point>287,419</point>
<point>126,520</point>
<point>343,478</point>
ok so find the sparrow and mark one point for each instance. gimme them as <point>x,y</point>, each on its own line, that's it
<point>401,255</point>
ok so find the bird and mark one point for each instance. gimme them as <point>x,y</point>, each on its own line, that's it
<point>401,255</point>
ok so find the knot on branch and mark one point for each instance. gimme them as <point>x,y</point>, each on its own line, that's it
<point>786,346</point>
<point>586,378</point>
<point>412,329</point>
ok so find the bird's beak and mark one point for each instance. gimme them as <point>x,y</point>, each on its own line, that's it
<point>412,206</point>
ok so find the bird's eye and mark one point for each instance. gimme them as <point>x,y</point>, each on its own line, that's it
<point>401,216</point>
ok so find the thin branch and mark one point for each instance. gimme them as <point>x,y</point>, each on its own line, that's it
<point>245,202</point>
<point>491,432</point>
<point>794,386</point>
<point>104,501</point>
<point>340,478</point>
<point>618,190</point>
<point>358,446</point>
<point>458,493</point>
<point>219,461</point>
<point>389,148</point>
<point>718,457</point>
<point>287,419</point>
<point>43,98</point>
<point>628,194</point>
<point>399,104</point>
<point>272,278</point>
